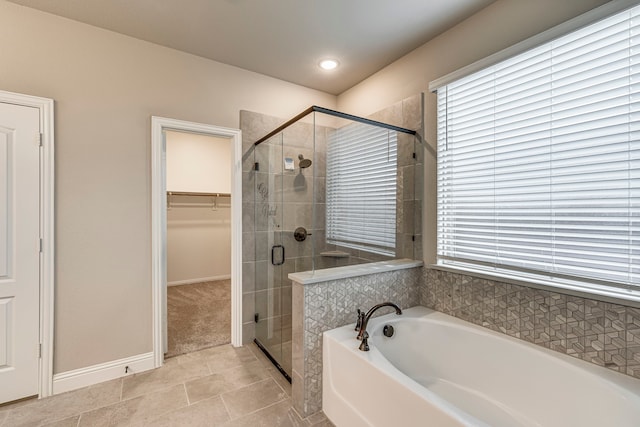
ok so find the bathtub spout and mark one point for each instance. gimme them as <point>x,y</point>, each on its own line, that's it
<point>362,334</point>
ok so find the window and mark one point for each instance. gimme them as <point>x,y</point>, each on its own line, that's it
<point>539,161</point>
<point>361,188</point>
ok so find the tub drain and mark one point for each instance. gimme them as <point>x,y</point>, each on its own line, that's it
<point>388,331</point>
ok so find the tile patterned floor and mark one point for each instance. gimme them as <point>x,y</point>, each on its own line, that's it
<point>219,386</point>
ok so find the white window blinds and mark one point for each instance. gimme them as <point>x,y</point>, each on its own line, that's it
<point>361,188</point>
<point>539,160</point>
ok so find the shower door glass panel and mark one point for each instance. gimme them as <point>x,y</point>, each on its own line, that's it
<point>271,253</point>
<point>298,232</point>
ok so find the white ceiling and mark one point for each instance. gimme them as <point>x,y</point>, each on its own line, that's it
<point>280,38</point>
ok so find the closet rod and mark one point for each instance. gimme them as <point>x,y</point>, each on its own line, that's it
<point>189,193</point>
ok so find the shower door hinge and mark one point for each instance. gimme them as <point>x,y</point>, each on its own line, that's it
<point>40,351</point>
<point>414,155</point>
<point>256,166</point>
<point>255,317</point>
<point>41,246</point>
<point>413,238</point>
<point>40,139</point>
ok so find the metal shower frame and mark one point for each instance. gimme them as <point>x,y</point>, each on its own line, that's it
<point>315,108</point>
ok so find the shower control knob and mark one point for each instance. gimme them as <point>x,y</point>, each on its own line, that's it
<point>300,234</point>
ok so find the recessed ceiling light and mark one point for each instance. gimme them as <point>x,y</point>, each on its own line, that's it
<point>328,64</point>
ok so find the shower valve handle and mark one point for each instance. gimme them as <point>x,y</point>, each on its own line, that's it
<point>300,234</point>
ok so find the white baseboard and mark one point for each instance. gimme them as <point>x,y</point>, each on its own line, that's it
<point>83,377</point>
<point>200,280</point>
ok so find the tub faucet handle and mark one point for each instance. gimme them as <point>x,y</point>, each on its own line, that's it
<point>360,320</point>
<point>364,345</point>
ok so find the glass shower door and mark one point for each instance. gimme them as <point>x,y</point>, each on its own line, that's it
<point>284,202</point>
<point>271,253</point>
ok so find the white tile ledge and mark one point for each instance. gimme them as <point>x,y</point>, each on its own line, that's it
<point>309,277</point>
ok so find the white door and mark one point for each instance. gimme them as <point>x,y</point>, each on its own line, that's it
<point>19,251</point>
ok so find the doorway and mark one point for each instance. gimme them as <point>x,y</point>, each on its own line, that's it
<point>26,246</point>
<point>159,225</point>
<point>198,241</point>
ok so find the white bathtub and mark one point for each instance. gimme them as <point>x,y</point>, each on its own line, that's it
<point>440,371</point>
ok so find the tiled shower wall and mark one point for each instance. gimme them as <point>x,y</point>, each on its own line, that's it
<point>603,333</point>
<point>299,190</point>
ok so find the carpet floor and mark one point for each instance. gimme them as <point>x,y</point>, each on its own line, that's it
<point>198,316</point>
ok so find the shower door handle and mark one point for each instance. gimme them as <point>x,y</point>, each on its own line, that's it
<point>273,255</point>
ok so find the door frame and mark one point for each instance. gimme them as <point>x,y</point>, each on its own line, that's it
<point>47,233</point>
<point>159,225</point>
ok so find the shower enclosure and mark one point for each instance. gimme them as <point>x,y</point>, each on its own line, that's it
<point>330,190</point>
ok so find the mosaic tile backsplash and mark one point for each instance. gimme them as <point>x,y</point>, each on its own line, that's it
<point>599,332</point>
<point>327,305</point>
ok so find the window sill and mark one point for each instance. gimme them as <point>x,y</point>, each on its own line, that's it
<point>617,296</point>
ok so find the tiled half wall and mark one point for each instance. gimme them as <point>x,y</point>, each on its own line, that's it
<point>599,332</point>
<point>323,306</point>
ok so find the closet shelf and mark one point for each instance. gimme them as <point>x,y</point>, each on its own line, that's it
<point>192,193</point>
<point>190,204</point>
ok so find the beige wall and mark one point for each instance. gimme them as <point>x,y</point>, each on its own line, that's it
<point>498,26</point>
<point>198,227</point>
<point>198,163</point>
<point>198,241</point>
<point>106,87</point>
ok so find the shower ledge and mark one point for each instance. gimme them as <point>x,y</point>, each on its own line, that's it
<point>324,275</point>
<point>335,254</point>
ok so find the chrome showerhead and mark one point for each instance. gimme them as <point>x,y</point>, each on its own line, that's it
<point>304,163</point>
